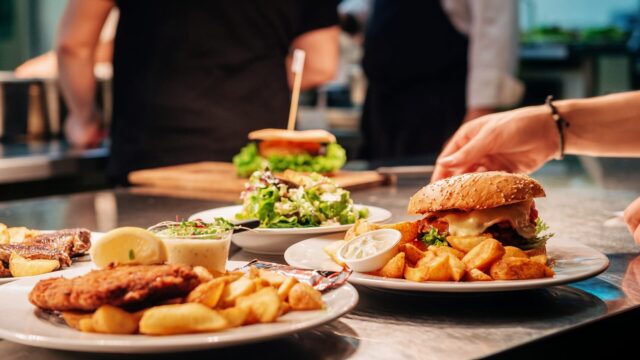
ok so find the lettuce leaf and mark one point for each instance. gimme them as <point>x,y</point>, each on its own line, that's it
<point>248,160</point>
<point>433,237</point>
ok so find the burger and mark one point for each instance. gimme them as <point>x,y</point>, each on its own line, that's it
<point>492,204</point>
<point>280,150</point>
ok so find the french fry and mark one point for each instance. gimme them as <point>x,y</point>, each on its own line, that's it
<point>285,288</point>
<point>512,251</point>
<point>272,277</point>
<point>466,243</point>
<point>235,316</point>
<point>113,320</point>
<point>263,305</point>
<point>484,254</point>
<point>261,283</point>
<point>476,275</point>
<point>305,297</point>
<point>181,319</point>
<point>394,268</point>
<point>438,250</point>
<point>241,287</point>
<point>517,269</point>
<point>19,266</point>
<point>203,274</point>
<point>73,318</point>
<point>208,293</point>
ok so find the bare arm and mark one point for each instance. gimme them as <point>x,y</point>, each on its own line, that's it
<point>321,61</point>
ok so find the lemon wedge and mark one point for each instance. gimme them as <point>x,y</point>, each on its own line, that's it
<point>128,246</point>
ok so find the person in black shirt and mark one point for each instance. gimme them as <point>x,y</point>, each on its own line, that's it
<point>191,78</point>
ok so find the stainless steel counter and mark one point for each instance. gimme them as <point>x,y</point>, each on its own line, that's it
<point>406,326</point>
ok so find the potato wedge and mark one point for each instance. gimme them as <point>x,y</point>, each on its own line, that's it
<point>236,316</point>
<point>181,319</point>
<point>285,288</point>
<point>542,259</point>
<point>394,268</point>
<point>360,227</point>
<point>261,283</point>
<point>208,293</point>
<point>304,297</point>
<point>20,266</point>
<point>426,259</point>
<point>5,237</point>
<point>512,251</point>
<point>20,234</point>
<point>73,318</point>
<point>332,251</point>
<point>484,254</point>
<point>203,274</point>
<point>466,243</point>
<point>517,269</point>
<point>457,268</point>
<point>241,287</point>
<point>476,275</point>
<point>86,325</point>
<point>263,305</point>
<point>417,274</point>
<point>408,229</point>
<point>439,269</point>
<point>275,279</point>
<point>438,250</point>
<point>113,320</point>
<point>413,254</point>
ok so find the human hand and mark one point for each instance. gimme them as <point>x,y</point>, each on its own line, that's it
<point>476,112</point>
<point>632,218</point>
<point>83,132</point>
<point>43,66</point>
<point>520,141</point>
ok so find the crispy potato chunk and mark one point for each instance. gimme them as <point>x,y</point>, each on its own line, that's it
<point>203,274</point>
<point>512,251</point>
<point>477,275</point>
<point>484,254</point>
<point>517,269</point>
<point>21,234</point>
<point>73,318</point>
<point>208,293</point>
<point>408,229</point>
<point>5,237</point>
<point>181,319</point>
<point>426,259</point>
<point>541,259</point>
<point>458,268</point>
<point>394,268</point>
<point>235,316</point>
<point>285,288</point>
<point>241,287</point>
<point>466,243</point>
<point>438,250</point>
<point>413,254</point>
<point>332,251</point>
<point>360,227</point>
<point>272,277</point>
<point>431,267</point>
<point>305,297</point>
<point>113,320</point>
<point>86,325</point>
<point>417,274</point>
<point>20,266</point>
<point>263,305</point>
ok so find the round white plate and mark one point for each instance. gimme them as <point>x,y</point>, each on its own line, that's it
<point>276,241</point>
<point>18,323</point>
<point>573,262</point>
<point>79,262</point>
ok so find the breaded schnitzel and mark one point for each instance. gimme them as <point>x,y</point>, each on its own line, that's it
<point>118,286</point>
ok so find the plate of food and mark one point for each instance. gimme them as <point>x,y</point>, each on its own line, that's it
<point>480,233</point>
<point>27,252</point>
<point>167,307</point>
<point>290,207</point>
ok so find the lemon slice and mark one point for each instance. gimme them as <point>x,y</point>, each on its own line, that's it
<point>128,246</point>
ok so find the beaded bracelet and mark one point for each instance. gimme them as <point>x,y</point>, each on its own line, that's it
<point>561,123</point>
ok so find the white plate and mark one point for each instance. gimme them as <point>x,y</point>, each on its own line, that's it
<point>18,323</point>
<point>79,262</point>
<point>276,241</point>
<point>573,262</point>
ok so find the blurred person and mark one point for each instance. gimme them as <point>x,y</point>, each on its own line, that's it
<point>431,65</point>
<point>523,140</point>
<point>190,78</point>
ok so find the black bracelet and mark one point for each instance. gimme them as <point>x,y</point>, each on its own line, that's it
<point>561,123</point>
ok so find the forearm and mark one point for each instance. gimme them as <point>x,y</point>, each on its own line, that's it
<point>77,80</point>
<point>603,126</point>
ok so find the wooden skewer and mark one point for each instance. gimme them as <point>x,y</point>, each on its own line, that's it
<point>297,65</point>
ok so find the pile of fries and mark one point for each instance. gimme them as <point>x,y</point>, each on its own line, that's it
<point>467,258</point>
<point>231,300</point>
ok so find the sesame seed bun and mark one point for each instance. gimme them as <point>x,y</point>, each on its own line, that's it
<point>319,136</point>
<point>475,191</point>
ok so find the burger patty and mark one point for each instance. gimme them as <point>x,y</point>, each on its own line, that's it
<point>506,234</point>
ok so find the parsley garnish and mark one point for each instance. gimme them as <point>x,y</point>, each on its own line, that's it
<point>132,255</point>
<point>540,228</point>
<point>433,237</point>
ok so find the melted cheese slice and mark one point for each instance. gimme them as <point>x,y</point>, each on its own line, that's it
<point>477,221</point>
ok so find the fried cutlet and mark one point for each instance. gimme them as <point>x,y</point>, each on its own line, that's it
<point>119,286</point>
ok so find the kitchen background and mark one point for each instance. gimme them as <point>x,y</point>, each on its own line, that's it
<point>570,48</point>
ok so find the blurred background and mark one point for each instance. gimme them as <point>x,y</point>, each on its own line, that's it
<point>569,48</point>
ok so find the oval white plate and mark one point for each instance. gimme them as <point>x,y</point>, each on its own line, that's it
<point>18,323</point>
<point>276,241</point>
<point>79,262</point>
<point>573,262</point>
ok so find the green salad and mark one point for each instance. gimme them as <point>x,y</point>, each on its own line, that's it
<point>296,200</point>
<point>249,160</point>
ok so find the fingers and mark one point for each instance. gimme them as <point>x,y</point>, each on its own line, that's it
<point>460,139</point>
<point>632,218</point>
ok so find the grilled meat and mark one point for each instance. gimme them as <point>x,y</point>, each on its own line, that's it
<point>73,242</point>
<point>119,286</point>
<point>34,251</point>
<point>4,272</point>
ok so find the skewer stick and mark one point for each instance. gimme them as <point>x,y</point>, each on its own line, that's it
<point>297,65</point>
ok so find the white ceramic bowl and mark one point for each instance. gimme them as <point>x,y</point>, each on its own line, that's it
<point>378,260</point>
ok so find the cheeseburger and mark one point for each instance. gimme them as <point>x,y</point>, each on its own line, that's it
<point>280,150</point>
<point>495,204</point>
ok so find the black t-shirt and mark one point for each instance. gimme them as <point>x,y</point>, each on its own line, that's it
<point>192,77</point>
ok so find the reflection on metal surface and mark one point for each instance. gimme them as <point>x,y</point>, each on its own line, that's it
<point>106,208</point>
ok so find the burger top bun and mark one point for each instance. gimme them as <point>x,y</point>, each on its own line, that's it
<point>474,191</point>
<point>319,136</point>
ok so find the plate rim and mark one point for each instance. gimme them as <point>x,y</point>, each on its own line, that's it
<point>467,287</point>
<point>159,344</point>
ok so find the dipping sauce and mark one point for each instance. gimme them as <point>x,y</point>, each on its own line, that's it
<point>366,246</point>
<point>196,243</point>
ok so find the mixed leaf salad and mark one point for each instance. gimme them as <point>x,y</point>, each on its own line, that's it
<point>297,200</point>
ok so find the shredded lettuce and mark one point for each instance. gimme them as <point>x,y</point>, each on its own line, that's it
<point>314,201</point>
<point>249,161</point>
<point>433,237</point>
